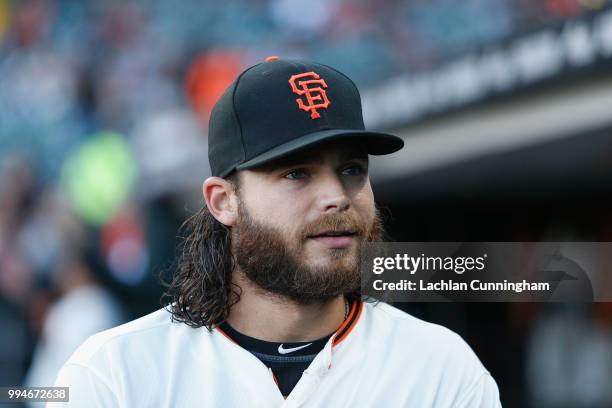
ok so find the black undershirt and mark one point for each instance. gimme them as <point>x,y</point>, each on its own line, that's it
<point>287,367</point>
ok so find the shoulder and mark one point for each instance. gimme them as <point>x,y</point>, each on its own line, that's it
<point>391,319</point>
<point>417,338</point>
<point>117,364</point>
<point>147,332</point>
<point>436,355</point>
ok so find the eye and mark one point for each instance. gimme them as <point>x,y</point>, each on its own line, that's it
<point>354,170</point>
<point>297,174</point>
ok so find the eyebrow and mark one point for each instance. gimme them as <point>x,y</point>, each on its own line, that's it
<point>312,158</point>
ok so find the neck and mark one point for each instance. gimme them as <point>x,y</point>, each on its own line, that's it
<point>278,319</point>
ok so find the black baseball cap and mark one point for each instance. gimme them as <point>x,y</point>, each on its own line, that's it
<point>281,106</point>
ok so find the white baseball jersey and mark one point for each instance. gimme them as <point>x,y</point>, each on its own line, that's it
<point>379,357</point>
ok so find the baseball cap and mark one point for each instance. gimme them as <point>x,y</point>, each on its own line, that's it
<point>281,106</point>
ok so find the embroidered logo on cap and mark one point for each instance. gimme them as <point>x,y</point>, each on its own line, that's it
<point>310,85</point>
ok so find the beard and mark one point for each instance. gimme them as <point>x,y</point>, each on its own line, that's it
<point>279,267</point>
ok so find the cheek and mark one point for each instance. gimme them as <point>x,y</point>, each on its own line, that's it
<point>283,214</point>
<point>364,203</point>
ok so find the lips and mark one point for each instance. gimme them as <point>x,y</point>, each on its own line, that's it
<point>334,233</point>
<point>335,239</point>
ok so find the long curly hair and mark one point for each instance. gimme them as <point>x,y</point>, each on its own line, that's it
<point>201,292</point>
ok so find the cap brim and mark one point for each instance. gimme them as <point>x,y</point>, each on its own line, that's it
<point>374,142</point>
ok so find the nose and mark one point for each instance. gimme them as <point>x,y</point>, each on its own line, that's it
<point>332,196</point>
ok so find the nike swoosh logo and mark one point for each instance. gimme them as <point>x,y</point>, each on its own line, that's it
<point>282,350</point>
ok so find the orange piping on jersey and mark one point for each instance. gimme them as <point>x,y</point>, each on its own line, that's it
<point>359,310</point>
<point>226,335</point>
<point>346,327</point>
<point>348,317</point>
<point>350,322</point>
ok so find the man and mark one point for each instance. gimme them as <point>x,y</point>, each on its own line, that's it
<point>265,308</point>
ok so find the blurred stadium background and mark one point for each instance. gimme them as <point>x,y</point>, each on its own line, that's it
<point>505,107</point>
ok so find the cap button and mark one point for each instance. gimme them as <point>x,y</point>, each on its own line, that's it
<point>272,58</point>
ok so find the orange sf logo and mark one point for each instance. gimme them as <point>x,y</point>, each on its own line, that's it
<point>316,97</point>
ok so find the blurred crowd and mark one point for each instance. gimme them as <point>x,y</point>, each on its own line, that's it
<point>103,113</point>
<point>70,68</point>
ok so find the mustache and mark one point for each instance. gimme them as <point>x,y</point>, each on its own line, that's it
<point>346,221</point>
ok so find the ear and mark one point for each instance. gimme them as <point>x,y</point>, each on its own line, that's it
<point>221,200</point>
